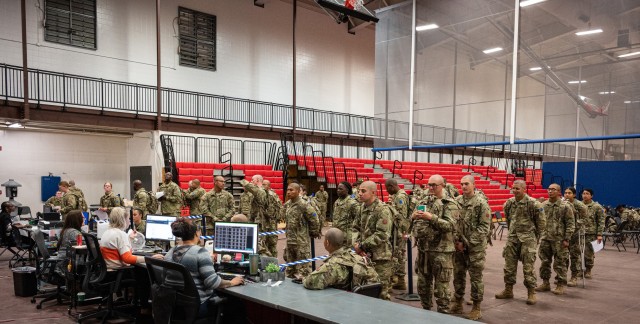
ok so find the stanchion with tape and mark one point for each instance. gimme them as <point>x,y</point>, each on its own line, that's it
<point>313,254</point>
<point>284,265</point>
<point>409,296</point>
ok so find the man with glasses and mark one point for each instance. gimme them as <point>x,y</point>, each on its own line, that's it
<point>371,234</point>
<point>555,240</point>
<point>526,221</point>
<point>593,227</point>
<point>433,228</point>
<point>218,204</point>
<point>575,246</point>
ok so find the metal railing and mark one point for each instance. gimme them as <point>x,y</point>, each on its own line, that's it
<point>211,150</point>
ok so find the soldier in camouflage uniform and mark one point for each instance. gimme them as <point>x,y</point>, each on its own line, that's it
<point>580,215</point>
<point>371,235</point>
<point>433,228</point>
<point>452,191</point>
<point>258,209</point>
<point>109,200</point>
<point>399,200</point>
<point>171,201</point>
<point>80,194</point>
<point>344,211</point>
<point>194,197</point>
<point>272,213</point>
<point>302,224</point>
<point>593,227</point>
<point>356,190</point>
<point>322,198</point>
<point>139,223</point>
<point>70,200</point>
<point>471,243</point>
<point>218,204</point>
<point>246,199</point>
<point>55,200</point>
<point>343,269</point>
<point>630,216</point>
<point>555,240</point>
<point>526,221</point>
<point>419,192</point>
<point>141,199</point>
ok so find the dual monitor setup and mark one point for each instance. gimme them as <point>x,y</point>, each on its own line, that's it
<point>229,237</point>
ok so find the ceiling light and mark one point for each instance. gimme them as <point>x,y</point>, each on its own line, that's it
<point>629,54</point>
<point>606,92</point>
<point>589,32</point>
<point>526,3</point>
<point>629,101</point>
<point>576,81</point>
<point>15,125</point>
<point>537,68</point>
<point>426,27</point>
<point>492,50</point>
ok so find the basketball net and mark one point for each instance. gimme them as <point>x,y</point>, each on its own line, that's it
<point>354,4</point>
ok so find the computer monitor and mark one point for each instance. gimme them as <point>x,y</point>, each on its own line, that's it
<point>236,237</point>
<point>159,228</point>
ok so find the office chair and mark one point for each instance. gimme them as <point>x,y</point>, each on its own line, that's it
<point>24,248</point>
<point>46,272</point>
<point>179,291</point>
<point>102,281</point>
<point>371,290</point>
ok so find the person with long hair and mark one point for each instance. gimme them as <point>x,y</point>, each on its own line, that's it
<point>115,245</point>
<point>70,231</point>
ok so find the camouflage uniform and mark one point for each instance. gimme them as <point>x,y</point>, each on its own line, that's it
<point>526,222</point>
<point>400,202</point>
<point>322,198</point>
<point>218,206</point>
<point>70,201</point>
<point>632,217</point>
<point>245,203</point>
<point>472,230</point>
<point>373,230</point>
<point>171,202</point>
<point>110,200</point>
<point>434,239</point>
<point>270,223</point>
<point>302,222</point>
<point>418,193</point>
<point>344,270</point>
<point>451,190</point>
<point>258,213</point>
<point>140,200</point>
<point>54,201</point>
<point>560,226</point>
<point>194,198</point>
<point>142,227</point>
<point>344,213</point>
<point>593,227</point>
<point>78,192</point>
<point>580,215</point>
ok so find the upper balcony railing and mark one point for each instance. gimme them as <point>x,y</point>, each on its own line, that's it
<point>68,90</point>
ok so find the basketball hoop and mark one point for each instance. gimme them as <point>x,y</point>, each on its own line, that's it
<point>354,4</point>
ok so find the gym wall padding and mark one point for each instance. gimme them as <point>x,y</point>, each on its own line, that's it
<point>613,182</point>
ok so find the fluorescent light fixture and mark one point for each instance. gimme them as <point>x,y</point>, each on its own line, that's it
<point>589,32</point>
<point>629,101</point>
<point>526,3</point>
<point>15,125</point>
<point>577,81</point>
<point>629,54</point>
<point>606,92</point>
<point>426,27</point>
<point>537,68</point>
<point>492,50</point>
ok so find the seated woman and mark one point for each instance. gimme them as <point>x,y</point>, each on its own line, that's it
<point>198,261</point>
<point>115,245</point>
<point>6,223</point>
<point>68,235</point>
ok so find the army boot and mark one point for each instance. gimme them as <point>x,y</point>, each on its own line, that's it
<point>573,281</point>
<point>507,293</point>
<point>559,290</point>
<point>457,307</point>
<point>400,284</point>
<point>545,286</point>
<point>475,313</point>
<point>587,274</point>
<point>531,296</point>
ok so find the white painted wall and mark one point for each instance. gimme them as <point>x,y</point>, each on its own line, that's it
<point>335,69</point>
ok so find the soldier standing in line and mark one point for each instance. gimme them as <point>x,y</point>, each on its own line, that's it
<point>471,243</point>
<point>194,197</point>
<point>322,198</point>
<point>399,200</point>
<point>302,225</point>
<point>433,228</point>
<point>171,201</point>
<point>54,200</point>
<point>419,192</point>
<point>141,199</point>
<point>258,209</point>
<point>452,191</point>
<point>343,269</point>
<point>593,228</point>
<point>109,200</point>
<point>555,240</point>
<point>218,204</point>
<point>356,190</point>
<point>372,232</point>
<point>526,221</point>
<point>575,246</point>
<point>80,194</point>
<point>246,199</point>
<point>344,211</point>
<point>70,200</point>
<point>272,213</point>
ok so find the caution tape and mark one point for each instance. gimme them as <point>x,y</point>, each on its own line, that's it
<point>193,217</point>
<point>284,265</point>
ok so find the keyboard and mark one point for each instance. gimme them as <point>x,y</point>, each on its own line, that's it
<point>228,276</point>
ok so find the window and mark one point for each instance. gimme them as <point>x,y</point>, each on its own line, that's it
<point>197,39</point>
<point>71,22</point>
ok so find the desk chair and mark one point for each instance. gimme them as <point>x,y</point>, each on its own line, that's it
<point>618,237</point>
<point>7,244</point>
<point>502,225</point>
<point>24,248</point>
<point>184,297</point>
<point>46,272</point>
<point>98,279</point>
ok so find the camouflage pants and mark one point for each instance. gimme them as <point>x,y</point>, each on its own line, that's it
<point>525,252</point>
<point>384,269</point>
<point>553,250</point>
<point>210,224</point>
<point>296,253</point>
<point>575,254</point>
<point>322,215</point>
<point>434,270</point>
<point>271,242</point>
<point>589,256</point>
<point>400,259</point>
<point>472,262</point>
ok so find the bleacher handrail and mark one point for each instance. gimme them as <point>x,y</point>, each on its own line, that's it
<point>397,165</point>
<point>415,177</point>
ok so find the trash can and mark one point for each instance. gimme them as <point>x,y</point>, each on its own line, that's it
<point>24,281</point>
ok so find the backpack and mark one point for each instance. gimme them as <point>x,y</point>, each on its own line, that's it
<point>80,202</point>
<point>273,206</point>
<point>152,203</point>
<point>363,274</point>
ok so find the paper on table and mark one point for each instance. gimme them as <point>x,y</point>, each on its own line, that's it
<point>597,246</point>
<point>159,194</point>
<point>101,214</point>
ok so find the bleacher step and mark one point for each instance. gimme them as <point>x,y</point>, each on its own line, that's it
<point>235,173</point>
